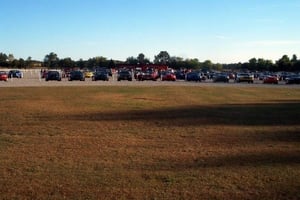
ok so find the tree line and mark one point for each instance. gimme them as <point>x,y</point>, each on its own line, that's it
<point>51,60</point>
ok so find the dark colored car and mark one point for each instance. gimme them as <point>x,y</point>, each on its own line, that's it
<point>293,80</point>
<point>180,75</point>
<point>76,75</point>
<point>15,74</point>
<point>100,75</point>
<point>53,76</point>
<point>148,75</point>
<point>108,70</point>
<point>221,78</point>
<point>193,76</point>
<point>124,75</point>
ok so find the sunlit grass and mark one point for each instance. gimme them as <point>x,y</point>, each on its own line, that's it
<point>149,143</point>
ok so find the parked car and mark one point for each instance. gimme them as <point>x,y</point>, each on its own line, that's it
<point>245,77</point>
<point>148,75</point>
<point>231,75</point>
<point>180,75</point>
<point>168,76</point>
<point>53,76</point>
<point>108,70</point>
<point>293,80</point>
<point>100,75</point>
<point>285,75</point>
<point>193,76</point>
<point>3,76</point>
<point>15,74</point>
<point>221,78</point>
<point>124,75</point>
<point>271,79</point>
<point>76,75</point>
<point>88,74</point>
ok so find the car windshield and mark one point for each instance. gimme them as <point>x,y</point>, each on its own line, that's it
<point>101,72</point>
<point>52,72</point>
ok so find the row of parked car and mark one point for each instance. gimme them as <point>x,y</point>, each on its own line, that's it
<point>169,75</point>
<point>76,75</point>
<point>172,76</point>
<point>4,76</point>
<point>216,77</point>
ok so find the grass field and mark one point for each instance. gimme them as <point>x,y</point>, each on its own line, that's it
<point>150,143</point>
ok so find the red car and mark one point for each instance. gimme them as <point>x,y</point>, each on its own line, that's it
<point>271,79</point>
<point>168,76</point>
<point>148,75</point>
<point>3,76</point>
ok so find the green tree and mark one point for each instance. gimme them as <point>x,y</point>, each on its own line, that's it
<point>218,67</point>
<point>51,60</point>
<point>253,64</point>
<point>176,62</point>
<point>207,64</point>
<point>111,64</point>
<point>295,63</point>
<point>81,63</point>
<point>14,63</point>
<point>162,58</point>
<point>142,59</point>
<point>284,64</point>
<point>101,61</point>
<point>22,63</point>
<point>66,63</point>
<point>263,65</point>
<point>3,60</point>
<point>294,59</point>
<point>192,63</point>
<point>132,61</point>
<point>3,57</point>
<point>98,61</point>
<point>28,62</point>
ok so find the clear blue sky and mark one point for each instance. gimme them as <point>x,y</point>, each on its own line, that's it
<point>222,31</point>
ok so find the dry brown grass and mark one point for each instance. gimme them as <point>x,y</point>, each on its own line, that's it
<point>149,143</point>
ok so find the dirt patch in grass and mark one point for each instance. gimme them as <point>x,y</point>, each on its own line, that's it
<point>149,143</point>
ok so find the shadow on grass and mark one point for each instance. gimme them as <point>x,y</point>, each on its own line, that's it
<point>241,160</point>
<point>268,157</point>
<point>280,113</point>
<point>275,136</point>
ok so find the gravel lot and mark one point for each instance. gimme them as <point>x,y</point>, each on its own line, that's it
<point>32,79</point>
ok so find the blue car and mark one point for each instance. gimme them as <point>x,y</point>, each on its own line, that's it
<point>193,76</point>
<point>53,76</point>
<point>76,75</point>
<point>15,74</point>
<point>100,75</point>
<point>293,80</point>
